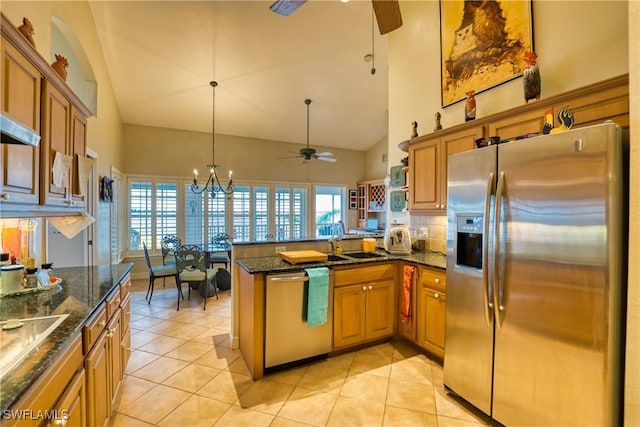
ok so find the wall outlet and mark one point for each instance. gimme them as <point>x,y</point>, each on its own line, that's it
<point>281,249</point>
<point>424,231</point>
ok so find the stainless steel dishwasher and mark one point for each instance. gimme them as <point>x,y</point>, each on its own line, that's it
<point>288,338</point>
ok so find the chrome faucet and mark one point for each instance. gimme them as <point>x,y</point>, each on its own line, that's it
<point>332,243</point>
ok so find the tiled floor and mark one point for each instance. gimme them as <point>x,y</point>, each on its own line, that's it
<point>182,372</point>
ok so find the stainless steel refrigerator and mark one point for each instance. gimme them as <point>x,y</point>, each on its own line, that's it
<point>536,278</point>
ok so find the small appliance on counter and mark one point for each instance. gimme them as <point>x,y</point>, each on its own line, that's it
<point>397,240</point>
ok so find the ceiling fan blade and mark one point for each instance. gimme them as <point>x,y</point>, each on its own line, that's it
<point>326,153</point>
<point>327,159</point>
<point>286,7</point>
<point>387,14</point>
<point>289,157</point>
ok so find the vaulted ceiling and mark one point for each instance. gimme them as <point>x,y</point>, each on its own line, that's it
<point>161,56</point>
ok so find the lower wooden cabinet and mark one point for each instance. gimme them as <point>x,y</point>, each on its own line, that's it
<point>98,371</point>
<point>364,310</point>
<point>431,303</point>
<point>73,404</point>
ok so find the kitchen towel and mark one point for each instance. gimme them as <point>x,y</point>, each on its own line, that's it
<point>405,298</point>
<point>318,296</point>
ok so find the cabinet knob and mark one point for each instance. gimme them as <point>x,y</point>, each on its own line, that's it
<point>4,196</point>
<point>364,288</point>
<point>102,324</point>
<point>436,295</point>
<point>59,422</point>
<point>437,280</point>
<point>437,206</point>
<point>370,287</point>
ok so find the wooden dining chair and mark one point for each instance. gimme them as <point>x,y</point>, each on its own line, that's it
<point>192,265</point>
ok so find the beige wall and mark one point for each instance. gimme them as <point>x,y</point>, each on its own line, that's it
<point>597,43</point>
<point>377,164</point>
<point>104,135</point>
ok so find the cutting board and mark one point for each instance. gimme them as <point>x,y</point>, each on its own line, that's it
<point>297,257</point>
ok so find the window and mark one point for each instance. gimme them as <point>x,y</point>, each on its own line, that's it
<point>254,212</point>
<point>117,245</point>
<point>330,201</point>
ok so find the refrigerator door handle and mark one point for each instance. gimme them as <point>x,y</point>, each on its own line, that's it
<point>488,303</point>
<point>498,291</point>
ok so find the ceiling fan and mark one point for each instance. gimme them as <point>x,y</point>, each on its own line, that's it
<point>387,12</point>
<point>307,153</point>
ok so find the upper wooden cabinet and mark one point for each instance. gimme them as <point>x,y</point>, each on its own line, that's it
<point>19,181</point>
<point>37,98</point>
<point>428,168</point>
<point>593,104</point>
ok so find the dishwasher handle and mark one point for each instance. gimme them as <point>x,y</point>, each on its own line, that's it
<point>289,279</point>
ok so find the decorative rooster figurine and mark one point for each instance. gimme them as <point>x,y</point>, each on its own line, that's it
<point>548,121</point>
<point>60,66</point>
<point>531,77</point>
<point>565,118</point>
<point>414,129</point>
<point>27,31</point>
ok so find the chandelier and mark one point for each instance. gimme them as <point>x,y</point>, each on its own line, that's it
<point>213,184</point>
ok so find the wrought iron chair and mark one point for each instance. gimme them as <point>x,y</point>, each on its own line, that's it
<point>156,272</point>
<point>169,244</point>
<point>193,268</point>
<point>222,240</point>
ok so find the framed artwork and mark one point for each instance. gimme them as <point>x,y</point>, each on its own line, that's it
<point>398,177</point>
<point>482,44</point>
<point>353,199</point>
<point>398,201</point>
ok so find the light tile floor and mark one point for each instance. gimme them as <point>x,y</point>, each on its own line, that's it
<point>183,372</point>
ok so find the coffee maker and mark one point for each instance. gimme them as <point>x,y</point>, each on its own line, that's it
<point>397,239</point>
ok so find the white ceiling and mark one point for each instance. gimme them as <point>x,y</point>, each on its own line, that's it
<point>161,56</point>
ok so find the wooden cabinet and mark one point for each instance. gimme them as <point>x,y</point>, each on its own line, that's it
<point>431,304</point>
<point>21,90</point>
<point>428,168</point>
<point>63,143</point>
<point>59,387</point>
<point>364,304</point>
<point>107,341</point>
<point>371,200</point>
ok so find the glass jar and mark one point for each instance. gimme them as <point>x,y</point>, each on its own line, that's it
<point>28,242</point>
<point>30,279</point>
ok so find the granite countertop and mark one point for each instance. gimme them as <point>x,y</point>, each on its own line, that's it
<point>275,264</point>
<point>81,291</point>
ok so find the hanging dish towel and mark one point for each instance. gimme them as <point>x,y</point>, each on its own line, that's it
<point>405,298</point>
<point>318,296</point>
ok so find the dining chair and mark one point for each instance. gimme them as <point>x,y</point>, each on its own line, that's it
<point>169,244</point>
<point>156,272</point>
<point>222,240</point>
<point>192,265</point>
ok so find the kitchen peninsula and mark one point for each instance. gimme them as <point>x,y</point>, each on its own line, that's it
<point>376,308</point>
<point>88,350</point>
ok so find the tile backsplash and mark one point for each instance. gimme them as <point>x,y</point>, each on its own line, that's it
<point>437,229</point>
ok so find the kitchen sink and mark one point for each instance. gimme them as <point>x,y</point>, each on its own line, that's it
<point>17,341</point>
<point>332,257</point>
<point>363,254</point>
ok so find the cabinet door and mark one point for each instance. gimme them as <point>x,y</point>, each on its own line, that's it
<point>425,175</point>
<point>349,315</point>
<point>56,141</point>
<point>114,333</point>
<point>431,318</point>
<point>21,89</point>
<point>97,371</point>
<point>73,404</point>
<point>380,309</point>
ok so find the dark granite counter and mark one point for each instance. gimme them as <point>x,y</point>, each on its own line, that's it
<point>275,264</point>
<point>80,293</point>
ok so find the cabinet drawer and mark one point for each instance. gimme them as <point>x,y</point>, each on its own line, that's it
<point>433,279</point>
<point>363,274</point>
<point>94,327</point>
<point>113,302</point>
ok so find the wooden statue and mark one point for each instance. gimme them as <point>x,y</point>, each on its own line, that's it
<point>470,106</point>
<point>60,66</point>
<point>531,77</point>
<point>27,31</point>
<point>438,124</point>
<point>414,129</point>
